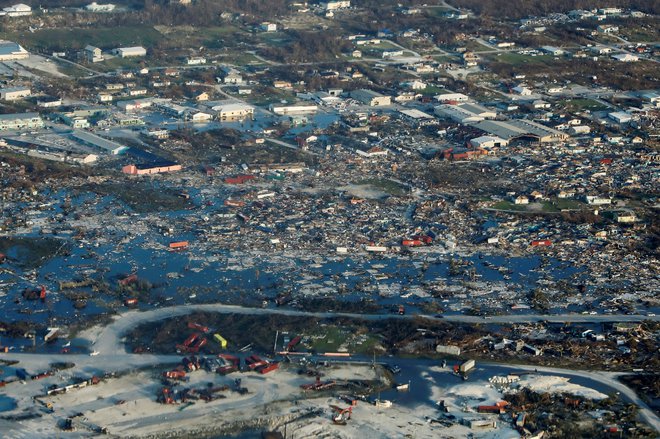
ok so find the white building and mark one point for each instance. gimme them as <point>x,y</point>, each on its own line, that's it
<point>371,98</point>
<point>488,142</point>
<point>93,54</point>
<point>620,116</point>
<point>336,4</point>
<point>49,102</point>
<point>19,10</point>
<point>14,93</point>
<point>522,90</point>
<point>20,121</point>
<point>233,111</point>
<point>200,117</point>
<point>626,57</point>
<point>268,27</point>
<point>12,51</point>
<point>595,200</point>
<point>195,61</point>
<point>293,109</point>
<point>465,112</point>
<point>126,52</point>
<point>452,97</point>
<point>415,85</point>
<point>95,7</point>
<point>551,50</point>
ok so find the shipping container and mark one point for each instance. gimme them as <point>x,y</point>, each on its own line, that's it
<point>411,242</point>
<point>293,343</point>
<point>541,243</point>
<point>197,326</point>
<point>179,245</point>
<point>269,368</point>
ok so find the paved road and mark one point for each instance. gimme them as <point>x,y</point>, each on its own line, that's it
<point>112,356</point>
<point>108,340</point>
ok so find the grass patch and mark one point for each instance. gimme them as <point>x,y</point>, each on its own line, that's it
<point>584,104</point>
<point>563,204</point>
<point>508,205</point>
<point>241,59</point>
<point>263,97</point>
<point>432,90</point>
<point>71,70</point>
<point>390,187</point>
<point>438,11</point>
<point>75,39</point>
<point>519,59</point>
<point>120,63</point>
<point>329,338</point>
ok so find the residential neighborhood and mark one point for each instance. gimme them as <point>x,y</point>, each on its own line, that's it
<point>329,219</point>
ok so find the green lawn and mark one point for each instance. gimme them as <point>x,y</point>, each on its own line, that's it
<point>584,104</point>
<point>388,186</point>
<point>515,58</point>
<point>565,203</point>
<point>75,39</point>
<point>328,338</point>
<point>508,205</point>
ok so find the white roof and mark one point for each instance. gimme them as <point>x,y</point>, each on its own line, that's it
<point>20,7</point>
<point>232,106</point>
<point>486,139</point>
<point>416,114</point>
<point>132,49</point>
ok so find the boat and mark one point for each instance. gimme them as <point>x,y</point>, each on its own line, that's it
<point>403,387</point>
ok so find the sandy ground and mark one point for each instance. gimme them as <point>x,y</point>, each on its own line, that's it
<point>35,62</point>
<point>555,384</point>
<point>126,405</point>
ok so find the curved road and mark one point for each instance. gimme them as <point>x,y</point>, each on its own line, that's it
<point>109,339</point>
<point>112,356</point>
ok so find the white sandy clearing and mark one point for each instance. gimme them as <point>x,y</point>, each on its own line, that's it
<point>556,384</point>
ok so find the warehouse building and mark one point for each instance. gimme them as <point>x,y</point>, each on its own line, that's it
<point>371,98</point>
<point>464,113</point>
<point>126,52</point>
<point>293,109</point>
<point>106,145</point>
<point>488,142</point>
<point>18,10</point>
<point>147,169</point>
<point>20,121</point>
<point>14,93</point>
<point>233,110</point>
<point>10,51</point>
<point>520,129</point>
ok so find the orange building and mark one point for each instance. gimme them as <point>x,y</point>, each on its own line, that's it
<point>142,169</point>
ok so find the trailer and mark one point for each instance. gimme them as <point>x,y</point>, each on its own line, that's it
<point>197,326</point>
<point>293,343</point>
<point>52,334</point>
<point>467,366</point>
